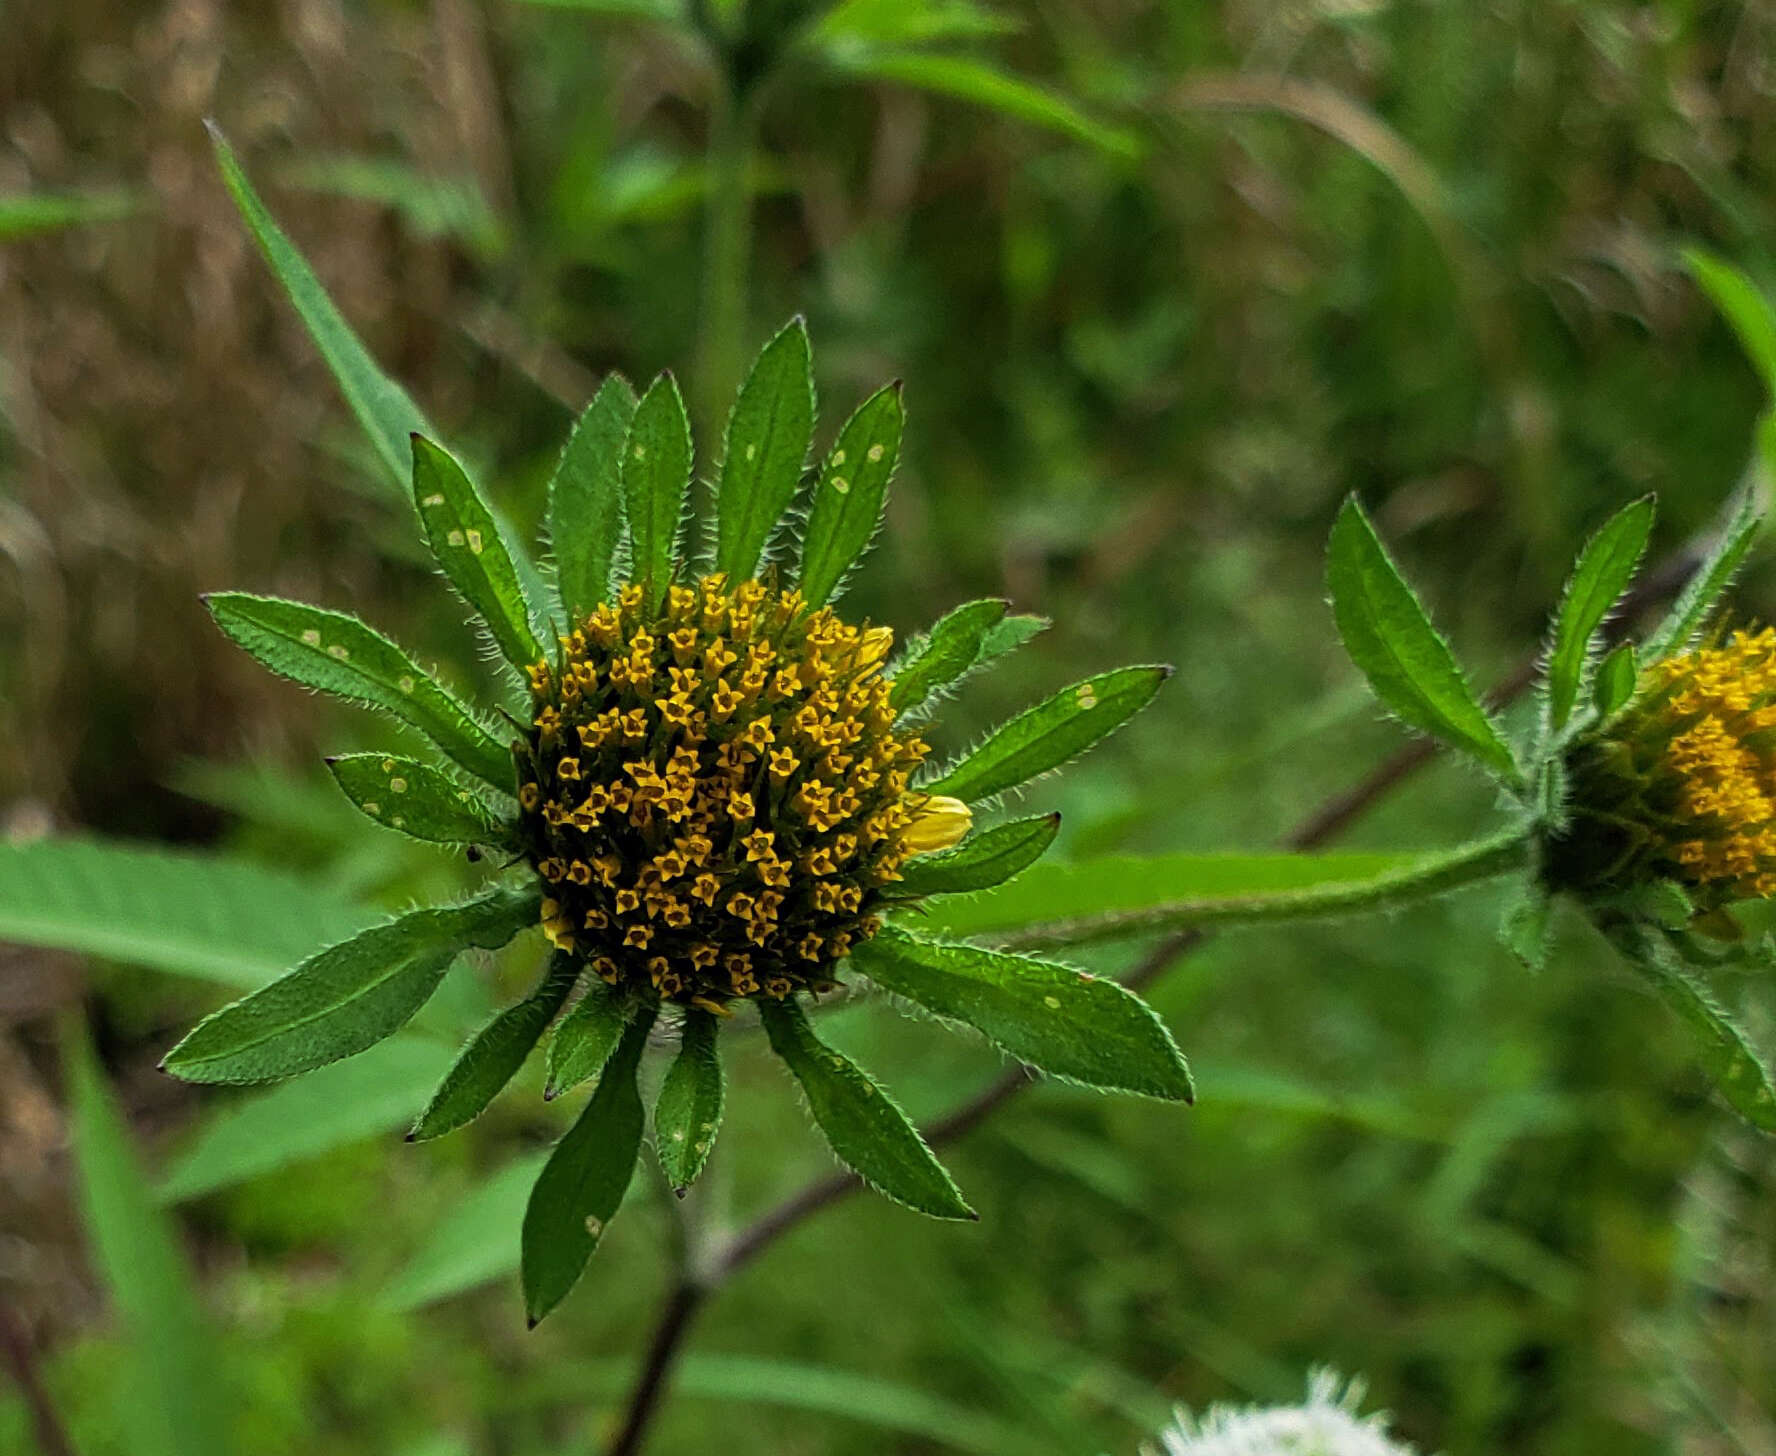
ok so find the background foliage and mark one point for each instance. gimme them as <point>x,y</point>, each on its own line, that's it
<point>1152,334</point>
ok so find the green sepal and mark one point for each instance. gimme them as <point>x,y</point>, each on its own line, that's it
<point>862,1123</point>
<point>586,499</point>
<point>416,799</point>
<point>467,543</point>
<point>1525,926</point>
<point>945,653</point>
<point>1391,640</point>
<point>495,1054</point>
<point>583,1183</point>
<point>336,653</point>
<point>585,1039</point>
<point>347,997</point>
<point>1732,1063</point>
<point>764,450</point>
<point>983,860</point>
<point>1599,577</point>
<point>1051,733</point>
<point>1613,684</point>
<point>848,497</point>
<point>1068,1023</point>
<point>656,482</point>
<point>688,1113</point>
<point>1704,590</point>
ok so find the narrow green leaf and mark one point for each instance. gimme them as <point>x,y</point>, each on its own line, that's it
<point>417,799</point>
<point>769,431</point>
<point>689,1110</point>
<point>864,1125</point>
<point>338,654</point>
<point>185,914</point>
<point>983,860</point>
<point>175,1409</point>
<point>493,1058</point>
<point>1599,578</point>
<point>1704,590</point>
<point>1739,1074</point>
<point>584,1181</point>
<point>465,538</point>
<point>372,1093</point>
<point>586,498</point>
<point>1010,635</point>
<point>1616,677</point>
<point>1051,733</point>
<point>984,84</point>
<point>349,996</point>
<point>656,482</point>
<point>848,497</point>
<point>945,653</point>
<point>584,1041</point>
<point>27,214</point>
<point>1068,1023</point>
<point>1391,640</point>
<point>474,1243</point>
<point>1744,306</point>
<point>1525,925</point>
<point>388,416</point>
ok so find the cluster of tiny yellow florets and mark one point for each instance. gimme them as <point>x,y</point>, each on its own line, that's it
<point>714,794</point>
<point>1683,783</point>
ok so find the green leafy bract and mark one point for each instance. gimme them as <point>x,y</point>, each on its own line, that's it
<point>864,1125</point>
<point>583,1183</point>
<point>1051,733</point>
<point>493,1058</point>
<point>1066,1022</point>
<point>689,1111</point>
<point>465,538</point>
<point>416,799</point>
<point>349,996</point>
<point>847,505</point>
<point>1389,637</point>
<point>338,654</point>
<point>586,499</point>
<point>656,482</point>
<point>945,653</point>
<point>1690,613</point>
<point>769,430</point>
<point>584,1041</point>
<point>1599,578</point>
<point>1613,685</point>
<point>983,860</point>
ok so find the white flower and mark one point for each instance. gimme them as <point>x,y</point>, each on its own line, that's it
<point>1325,1424</point>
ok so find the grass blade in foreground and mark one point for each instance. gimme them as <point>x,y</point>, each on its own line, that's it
<point>338,654</point>
<point>769,430</point>
<point>471,1244</point>
<point>467,543</point>
<point>1391,640</point>
<point>586,499</point>
<point>1049,734</point>
<point>688,1114</point>
<point>1599,578</point>
<point>389,417</point>
<point>981,861</point>
<point>1066,1022</point>
<point>848,498</point>
<point>493,1058</point>
<point>348,997</point>
<point>656,479</point>
<point>1743,305</point>
<point>583,1183</point>
<point>176,1411</point>
<point>416,799</point>
<point>865,1127</point>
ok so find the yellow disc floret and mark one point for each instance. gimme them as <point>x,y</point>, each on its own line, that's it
<point>1682,785</point>
<point>714,793</point>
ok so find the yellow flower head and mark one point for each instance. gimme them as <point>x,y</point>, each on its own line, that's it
<point>737,731</point>
<point>1682,784</point>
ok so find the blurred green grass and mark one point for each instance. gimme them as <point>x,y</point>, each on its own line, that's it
<point>1138,389</point>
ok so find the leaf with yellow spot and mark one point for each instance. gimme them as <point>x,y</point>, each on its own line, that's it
<point>848,497</point>
<point>418,800</point>
<point>689,1110</point>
